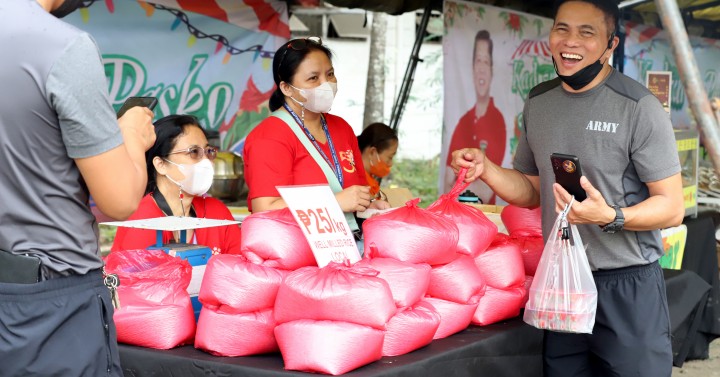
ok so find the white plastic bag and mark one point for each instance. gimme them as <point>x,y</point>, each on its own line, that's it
<point>563,296</point>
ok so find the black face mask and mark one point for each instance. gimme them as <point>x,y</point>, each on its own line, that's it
<point>67,7</point>
<point>583,77</point>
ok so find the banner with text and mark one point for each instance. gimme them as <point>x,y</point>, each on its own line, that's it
<point>209,59</point>
<point>492,58</point>
<point>648,49</point>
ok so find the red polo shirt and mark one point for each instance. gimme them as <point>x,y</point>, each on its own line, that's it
<point>489,128</point>
<point>274,156</point>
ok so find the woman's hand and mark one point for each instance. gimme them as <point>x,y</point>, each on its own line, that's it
<point>354,198</point>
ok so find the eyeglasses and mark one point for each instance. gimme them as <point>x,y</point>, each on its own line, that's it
<point>298,45</point>
<point>196,153</point>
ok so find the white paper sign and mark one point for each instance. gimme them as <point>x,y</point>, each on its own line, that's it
<point>318,214</point>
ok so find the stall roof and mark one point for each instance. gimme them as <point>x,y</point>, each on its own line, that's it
<point>700,16</point>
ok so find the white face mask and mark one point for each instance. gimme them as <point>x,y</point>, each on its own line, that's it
<point>198,177</point>
<point>319,98</point>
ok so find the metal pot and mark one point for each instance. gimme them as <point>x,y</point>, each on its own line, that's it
<point>229,176</point>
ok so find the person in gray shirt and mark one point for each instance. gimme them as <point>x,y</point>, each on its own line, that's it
<point>60,142</point>
<point>625,144</point>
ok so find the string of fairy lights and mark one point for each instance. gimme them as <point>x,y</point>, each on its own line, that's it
<point>195,33</point>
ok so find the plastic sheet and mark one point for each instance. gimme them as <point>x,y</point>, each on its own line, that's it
<point>410,329</point>
<point>273,239</point>
<point>476,231</point>
<point>408,281</point>
<point>498,305</point>
<point>454,317</point>
<point>501,265</point>
<point>458,281</point>
<point>335,292</point>
<point>517,218</point>
<point>224,333</point>
<point>232,281</point>
<point>329,347</point>
<point>411,234</point>
<point>155,309</point>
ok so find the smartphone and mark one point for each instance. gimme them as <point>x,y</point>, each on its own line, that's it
<point>149,102</point>
<point>567,174</point>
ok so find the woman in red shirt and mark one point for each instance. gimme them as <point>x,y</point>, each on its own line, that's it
<point>379,144</point>
<point>301,143</point>
<point>180,172</point>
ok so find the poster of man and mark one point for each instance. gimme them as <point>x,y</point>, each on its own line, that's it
<point>483,125</point>
<point>492,58</point>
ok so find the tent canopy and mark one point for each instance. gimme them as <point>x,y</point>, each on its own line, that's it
<point>700,16</point>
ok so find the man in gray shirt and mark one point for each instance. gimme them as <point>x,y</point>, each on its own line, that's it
<point>59,142</point>
<point>625,144</point>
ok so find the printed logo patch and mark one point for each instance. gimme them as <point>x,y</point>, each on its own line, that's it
<point>569,166</point>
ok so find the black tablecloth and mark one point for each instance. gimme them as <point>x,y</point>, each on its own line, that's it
<point>511,348</point>
<point>701,258</point>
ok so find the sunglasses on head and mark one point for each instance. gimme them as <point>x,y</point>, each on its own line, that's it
<point>299,45</point>
<point>196,152</point>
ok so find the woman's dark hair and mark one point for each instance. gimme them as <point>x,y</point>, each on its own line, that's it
<point>286,61</point>
<point>167,131</point>
<point>378,135</point>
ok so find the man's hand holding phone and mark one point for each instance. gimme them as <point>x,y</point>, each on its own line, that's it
<point>135,119</point>
<point>592,209</point>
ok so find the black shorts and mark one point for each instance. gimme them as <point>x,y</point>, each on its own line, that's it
<point>631,336</point>
<point>58,327</point>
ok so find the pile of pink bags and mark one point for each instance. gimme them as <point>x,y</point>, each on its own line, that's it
<point>332,319</point>
<point>155,309</point>
<point>238,299</point>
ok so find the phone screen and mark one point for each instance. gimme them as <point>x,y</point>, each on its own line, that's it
<point>149,102</point>
<point>567,174</point>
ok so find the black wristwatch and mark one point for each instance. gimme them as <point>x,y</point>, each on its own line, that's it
<point>617,224</point>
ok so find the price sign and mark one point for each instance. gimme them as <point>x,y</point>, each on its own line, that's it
<point>323,223</point>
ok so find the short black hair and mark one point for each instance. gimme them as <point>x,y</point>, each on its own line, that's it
<point>378,135</point>
<point>285,64</point>
<point>167,131</point>
<point>608,7</point>
<point>483,35</point>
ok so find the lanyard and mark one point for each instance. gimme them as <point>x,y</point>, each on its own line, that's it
<point>337,169</point>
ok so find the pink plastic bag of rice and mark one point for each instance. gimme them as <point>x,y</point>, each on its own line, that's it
<point>458,281</point>
<point>155,309</point>
<point>475,230</point>
<point>228,333</point>
<point>454,317</point>
<point>232,281</point>
<point>273,239</point>
<point>499,304</point>
<point>411,234</point>
<point>335,292</point>
<point>517,218</point>
<point>501,265</point>
<point>411,328</point>
<point>531,249</point>
<point>329,347</point>
<point>408,281</point>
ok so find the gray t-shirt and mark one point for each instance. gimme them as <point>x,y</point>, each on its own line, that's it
<point>54,108</point>
<point>623,138</point>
